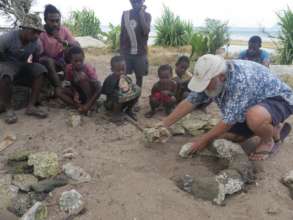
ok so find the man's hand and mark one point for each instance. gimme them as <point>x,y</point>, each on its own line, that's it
<point>142,10</point>
<point>198,145</point>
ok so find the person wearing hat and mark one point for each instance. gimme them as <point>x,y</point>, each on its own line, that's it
<point>253,102</point>
<point>19,52</point>
<point>254,53</point>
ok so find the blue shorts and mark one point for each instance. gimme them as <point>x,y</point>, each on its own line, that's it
<point>279,110</point>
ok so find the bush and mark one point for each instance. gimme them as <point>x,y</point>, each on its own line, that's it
<point>171,31</point>
<point>199,45</point>
<point>286,37</point>
<point>84,23</point>
<point>209,38</point>
<point>113,37</point>
<point>217,34</point>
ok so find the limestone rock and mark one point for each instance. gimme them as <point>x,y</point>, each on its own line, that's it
<point>288,181</point>
<point>75,120</point>
<point>177,129</point>
<point>185,150</point>
<point>206,188</point>
<point>244,167</point>
<point>47,186</point>
<point>37,212</point>
<point>24,181</point>
<point>19,155</point>
<point>7,191</point>
<point>21,204</point>
<point>18,167</point>
<point>71,202</point>
<point>90,42</point>
<point>76,173</point>
<point>230,182</point>
<point>45,164</point>
<point>156,135</point>
<point>69,154</point>
<point>198,122</point>
<point>227,149</point>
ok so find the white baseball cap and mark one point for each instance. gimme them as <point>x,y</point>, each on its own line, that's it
<point>205,69</point>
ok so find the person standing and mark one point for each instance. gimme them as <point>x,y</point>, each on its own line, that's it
<point>135,29</point>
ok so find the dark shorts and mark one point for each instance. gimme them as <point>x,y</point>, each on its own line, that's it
<point>21,73</point>
<point>279,110</point>
<point>138,64</point>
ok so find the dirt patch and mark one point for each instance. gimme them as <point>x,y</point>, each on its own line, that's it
<point>130,181</point>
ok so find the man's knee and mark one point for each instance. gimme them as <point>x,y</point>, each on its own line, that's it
<point>257,116</point>
<point>47,61</point>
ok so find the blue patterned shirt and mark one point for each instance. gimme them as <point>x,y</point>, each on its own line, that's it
<point>247,84</point>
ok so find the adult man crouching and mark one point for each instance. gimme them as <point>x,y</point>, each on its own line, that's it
<point>19,52</point>
<point>253,102</point>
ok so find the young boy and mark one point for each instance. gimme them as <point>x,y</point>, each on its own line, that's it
<point>121,92</point>
<point>182,77</point>
<point>135,30</point>
<point>163,92</point>
<point>84,87</point>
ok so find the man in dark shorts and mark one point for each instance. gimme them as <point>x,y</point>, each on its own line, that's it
<point>19,53</point>
<point>253,102</point>
<point>135,29</point>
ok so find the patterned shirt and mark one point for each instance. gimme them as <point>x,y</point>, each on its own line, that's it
<point>247,84</point>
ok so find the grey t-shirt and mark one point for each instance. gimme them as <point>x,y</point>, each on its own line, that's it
<point>12,49</point>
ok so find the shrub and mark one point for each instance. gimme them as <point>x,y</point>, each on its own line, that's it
<point>209,38</point>
<point>286,37</point>
<point>84,23</point>
<point>113,37</point>
<point>171,31</point>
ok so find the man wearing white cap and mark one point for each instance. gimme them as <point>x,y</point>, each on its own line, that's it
<point>252,100</point>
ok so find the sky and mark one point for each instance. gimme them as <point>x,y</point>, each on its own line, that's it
<point>239,13</point>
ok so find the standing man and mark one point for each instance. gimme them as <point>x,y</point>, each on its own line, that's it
<point>54,41</point>
<point>253,102</point>
<point>135,29</point>
<point>254,53</point>
<point>19,52</point>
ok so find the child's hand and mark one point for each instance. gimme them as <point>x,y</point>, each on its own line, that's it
<point>165,92</point>
<point>83,109</point>
<point>76,98</point>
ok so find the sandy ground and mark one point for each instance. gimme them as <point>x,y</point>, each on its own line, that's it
<point>133,182</point>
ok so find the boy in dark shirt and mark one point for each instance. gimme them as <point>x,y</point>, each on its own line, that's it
<point>84,87</point>
<point>121,93</point>
<point>182,77</point>
<point>163,92</point>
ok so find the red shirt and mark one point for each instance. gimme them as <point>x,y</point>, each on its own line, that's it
<point>51,47</point>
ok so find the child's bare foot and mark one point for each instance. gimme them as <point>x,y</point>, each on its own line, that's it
<point>10,117</point>
<point>150,114</point>
<point>36,112</point>
<point>264,151</point>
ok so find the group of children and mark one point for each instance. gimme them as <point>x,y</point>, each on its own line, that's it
<point>83,87</point>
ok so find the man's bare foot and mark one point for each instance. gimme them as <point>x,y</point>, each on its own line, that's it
<point>264,151</point>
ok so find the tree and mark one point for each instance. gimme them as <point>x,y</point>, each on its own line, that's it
<point>15,10</point>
